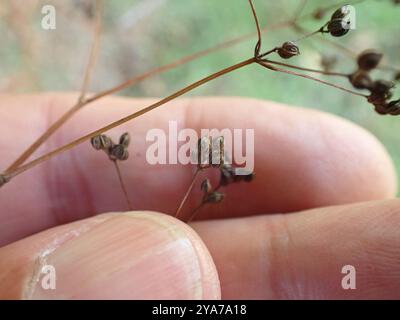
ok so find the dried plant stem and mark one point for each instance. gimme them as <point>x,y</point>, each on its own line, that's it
<point>188,191</point>
<point>345,50</point>
<point>195,212</point>
<point>271,67</point>
<point>259,41</point>
<point>94,51</point>
<point>121,182</point>
<point>10,174</point>
<point>327,73</point>
<point>131,82</point>
<point>16,167</point>
<point>197,209</point>
<point>83,102</point>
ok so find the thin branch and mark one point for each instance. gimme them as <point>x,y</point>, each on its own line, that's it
<point>258,45</point>
<point>121,182</point>
<point>195,212</point>
<point>94,51</point>
<point>10,174</point>
<point>64,118</point>
<point>131,82</point>
<point>271,67</point>
<point>188,191</point>
<point>327,73</point>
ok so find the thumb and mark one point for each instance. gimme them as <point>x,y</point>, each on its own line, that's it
<point>135,255</point>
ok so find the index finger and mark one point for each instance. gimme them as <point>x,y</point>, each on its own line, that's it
<point>303,159</point>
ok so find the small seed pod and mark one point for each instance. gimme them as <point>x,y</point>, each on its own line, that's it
<point>380,92</point>
<point>394,107</point>
<point>341,13</point>
<point>214,197</point>
<point>339,27</point>
<point>206,186</point>
<point>227,174</point>
<point>288,50</point>
<point>369,59</point>
<point>118,152</point>
<point>203,152</point>
<point>361,80</point>
<point>125,139</point>
<point>382,87</point>
<point>217,154</point>
<point>101,142</point>
<point>381,108</point>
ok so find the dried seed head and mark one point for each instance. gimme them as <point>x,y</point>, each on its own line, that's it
<point>361,80</point>
<point>394,107</point>
<point>101,142</point>
<point>341,13</point>
<point>227,174</point>
<point>288,50</point>
<point>380,92</point>
<point>339,27</point>
<point>214,197</point>
<point>206,186</point>
<point>125,139</point>
<point>369,59</point>
<point>380,108</point>
<point>382,87</point>
<point>118,152</point>
<point>217,154</point>
<point>203,152</point>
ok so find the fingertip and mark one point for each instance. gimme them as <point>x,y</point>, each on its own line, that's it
<point>134,255</point>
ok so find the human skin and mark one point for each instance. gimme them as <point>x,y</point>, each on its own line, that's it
<point>323,198</point>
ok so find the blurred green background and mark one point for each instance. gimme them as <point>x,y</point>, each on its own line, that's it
<point>142,34</point>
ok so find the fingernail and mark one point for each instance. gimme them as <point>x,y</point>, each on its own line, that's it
<point>130,256</point>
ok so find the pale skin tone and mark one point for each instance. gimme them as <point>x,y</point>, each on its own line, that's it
<point>335,179</point>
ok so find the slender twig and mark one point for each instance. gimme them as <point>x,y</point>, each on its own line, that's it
<point>327,73</point>
<point>121,182</point>
<point>197,209</point>
<point>10,174</point>
<point>188,191</point>
<point>131,82</point>
<point>15,169</point>
<point>94,51</point>
<point>195,212</point>
<point>258,45</point>
<point>68,115</point>
<point>271,67</point>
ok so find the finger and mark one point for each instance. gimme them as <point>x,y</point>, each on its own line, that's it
<point>136,255</point>
<point>301,255</point>
<point>303,159</point>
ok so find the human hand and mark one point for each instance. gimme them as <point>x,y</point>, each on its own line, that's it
<point>303,159</point>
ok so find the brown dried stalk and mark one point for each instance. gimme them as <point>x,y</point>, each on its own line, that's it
<point>83,102</point>
<point>14,171</point>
